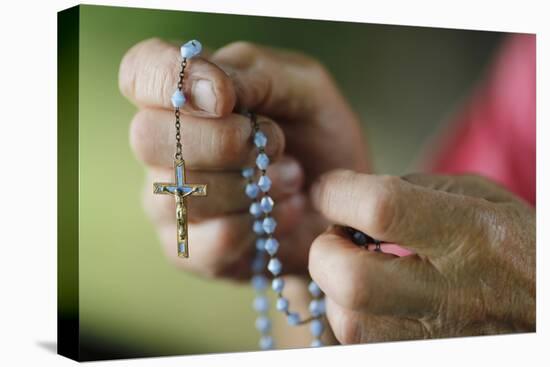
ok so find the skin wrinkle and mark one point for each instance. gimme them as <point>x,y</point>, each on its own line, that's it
<point>489,289</point>
<point>475,297</point>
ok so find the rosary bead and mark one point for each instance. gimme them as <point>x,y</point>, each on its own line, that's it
<point>260,244</point>
<point>259,282</point>
<point>359,238</point>
<point>269,224</point>
<point>282,304</point>
<point>248,172</point>
<point>317,327</point>
<point>316,343</point>
<point>255,209</point>
<point>261,304</point>
<point>260,140</point>
<point>267,204</point>
<point>190,49</point>
<point>258,227</point>
<point>277,284</point>
<point>266,342</point>
<point>263,324</point>
<point>317,307</point>
<point>275,266</point>
<point>271,246</point>
<point>314,289</point>
<point>262,161</point>
<point>178,99</point>
<point>252,190</point>
<point>258,263</point>
<point>264,183</point>
<point>293,319</point>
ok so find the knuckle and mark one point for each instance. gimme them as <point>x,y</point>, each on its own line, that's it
<point>227,144</point>
<point>381,208</point>
<point>317,69</point>
<point>128,71</point>
<point>348,330</point>
<point>350,296</point>
<point>355,291</point>
<point>157,86</point>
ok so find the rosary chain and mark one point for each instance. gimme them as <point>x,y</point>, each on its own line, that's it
<point>178,154</point>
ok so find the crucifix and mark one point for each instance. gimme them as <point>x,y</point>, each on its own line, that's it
<point>181,191</point>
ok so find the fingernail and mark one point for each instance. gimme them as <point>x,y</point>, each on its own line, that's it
<point>204,96</point>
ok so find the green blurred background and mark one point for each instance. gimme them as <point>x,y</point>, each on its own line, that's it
<point>403,81</point>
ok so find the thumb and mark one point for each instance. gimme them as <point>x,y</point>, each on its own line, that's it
<point>393,210</point>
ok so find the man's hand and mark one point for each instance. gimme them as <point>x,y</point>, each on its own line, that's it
<point>473,271</point>
<point>310,130</point>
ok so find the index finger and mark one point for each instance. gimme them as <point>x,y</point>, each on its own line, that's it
<point>149,74</point>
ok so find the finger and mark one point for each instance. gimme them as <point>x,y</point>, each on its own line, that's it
<point>149,74</point>
<point>217,245</point>
<point>275,82</point>
<point>353,327</point>
<point>225,190</point>
<point>373,282</point>
<point>471,185</point>
<point>206,143</point>
<point>393,210</point>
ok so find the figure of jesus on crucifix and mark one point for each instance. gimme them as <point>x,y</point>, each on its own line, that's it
<point>181,191</point>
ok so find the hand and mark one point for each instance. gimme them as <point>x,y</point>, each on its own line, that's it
<point>309,126</point>
<point>474,268</point>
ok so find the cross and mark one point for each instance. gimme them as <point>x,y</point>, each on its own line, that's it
<point>181,191</point>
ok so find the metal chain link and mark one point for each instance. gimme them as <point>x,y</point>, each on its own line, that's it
<point>178,154</point>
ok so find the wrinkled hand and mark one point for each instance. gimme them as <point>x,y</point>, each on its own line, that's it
<point>474,268</point>
<point>300,110</point>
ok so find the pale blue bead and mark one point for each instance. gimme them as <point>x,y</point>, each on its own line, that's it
<point>261,304</point>
<point>259,282</point>
<point>262,161</point>
<point>317,307</point>
<point>260,140</point>
<point>278,284</point>
<point>178,99</point>
<point>263,324</point>
<point>258,227</point>
<point>266,342</point>
<point>274,266</point>
<point>267,204</point>
<point>252,190</point>
<point>314,289</point>
<point>316,343</point>
<point>260,244</point>
<point>264,183</point>
<point>258,263</point>
<point>271,245</point>
<point>248,172</point>
<point>282,304</point>
<point>269,224</point>
<point>255,209</point>
<point>293,319</point>
<point>190,49</point>
<point>316,327</point>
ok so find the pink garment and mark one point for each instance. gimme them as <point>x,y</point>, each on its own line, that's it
<point>494,135</point>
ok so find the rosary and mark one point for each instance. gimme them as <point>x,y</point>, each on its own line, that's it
<point>257,188</point>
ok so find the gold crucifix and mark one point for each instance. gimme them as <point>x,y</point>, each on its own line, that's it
<point>181,191</point>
